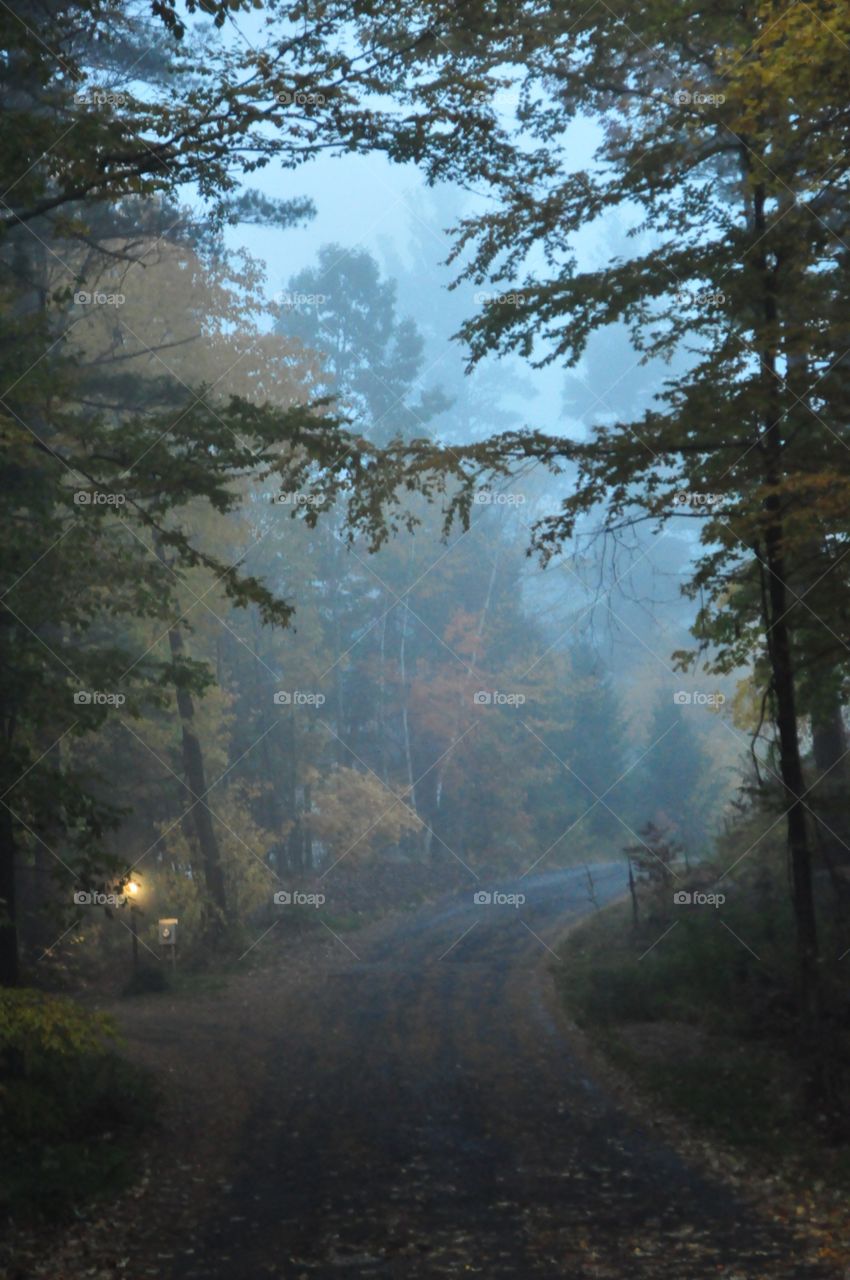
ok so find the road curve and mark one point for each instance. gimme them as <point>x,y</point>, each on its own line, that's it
<point>427,1119</point>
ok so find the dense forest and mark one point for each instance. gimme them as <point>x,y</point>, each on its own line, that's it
<point>490,549</point>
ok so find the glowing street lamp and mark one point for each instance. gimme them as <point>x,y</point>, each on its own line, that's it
<point>133,889</point>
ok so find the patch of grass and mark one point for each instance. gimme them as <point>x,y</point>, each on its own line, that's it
<point>71,1110</point>
<point>701,1015</point>
<point>729,972</point>
<point>346,922</point>
<point>198,982</point>
<point>735,1092</point>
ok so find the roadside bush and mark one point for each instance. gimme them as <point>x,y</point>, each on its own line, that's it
<point>70,1106</point>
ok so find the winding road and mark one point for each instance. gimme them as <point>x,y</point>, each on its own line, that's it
<point>428,1119</point>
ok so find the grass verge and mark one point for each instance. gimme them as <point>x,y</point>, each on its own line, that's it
<point>71,1108</point>
<point>698,1012</point>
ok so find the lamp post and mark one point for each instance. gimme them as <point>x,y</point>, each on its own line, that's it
<point>133,888</point>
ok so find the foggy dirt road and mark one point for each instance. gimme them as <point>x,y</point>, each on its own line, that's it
<point>428,1119</point>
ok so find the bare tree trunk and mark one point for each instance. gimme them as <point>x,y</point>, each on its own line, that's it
<point>339,692</point>
<point>29,266</point>
<point>382,721</point>
<point>195,775</point>
<point>307,858</point>
<point>779,643</point>
<point>196,784</point>
<point>829,739</point>
<point>404,721</point>
<point>633,893</point>
<point>791,770</point>
<point>295,835</point>
<point>35,886</point>
<point>9,965</point>
<point>441,768</point>
<point>262,698</point>
<point>828,798</point>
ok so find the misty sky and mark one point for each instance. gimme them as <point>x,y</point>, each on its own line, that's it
<point>366,202</point>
